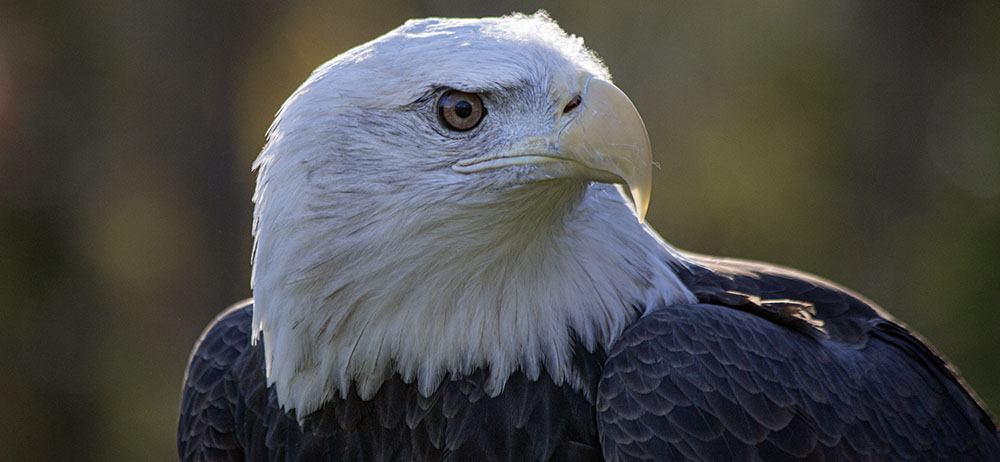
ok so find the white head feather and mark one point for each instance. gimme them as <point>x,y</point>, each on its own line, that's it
<point>372,256</point>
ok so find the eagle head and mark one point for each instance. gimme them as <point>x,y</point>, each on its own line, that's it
<point>444,198</point>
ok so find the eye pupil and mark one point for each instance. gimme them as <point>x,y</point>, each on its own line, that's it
<point>460,111</point>
<point>463,109</point>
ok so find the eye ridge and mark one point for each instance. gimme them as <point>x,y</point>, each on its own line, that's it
<point>460,111</point>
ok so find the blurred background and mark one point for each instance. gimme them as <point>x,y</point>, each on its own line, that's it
<point>856,140</point>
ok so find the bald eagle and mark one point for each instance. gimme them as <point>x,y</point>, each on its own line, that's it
<point>450,263</point>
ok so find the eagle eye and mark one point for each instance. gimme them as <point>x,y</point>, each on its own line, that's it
<point>460,111</point>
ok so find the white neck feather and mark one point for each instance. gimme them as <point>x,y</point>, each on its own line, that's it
<point>429,290</point>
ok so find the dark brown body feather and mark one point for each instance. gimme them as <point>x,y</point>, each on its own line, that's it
<point>769,365</point>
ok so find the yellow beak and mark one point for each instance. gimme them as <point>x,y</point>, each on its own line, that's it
<point>609,136</point>
<point>606,142</point>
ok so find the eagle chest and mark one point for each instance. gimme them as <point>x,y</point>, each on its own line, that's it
<point>529,420</point>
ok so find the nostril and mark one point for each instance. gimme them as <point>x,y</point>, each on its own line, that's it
<point>572,104</point>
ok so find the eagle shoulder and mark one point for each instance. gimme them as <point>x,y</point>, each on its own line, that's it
<point>207,426</point>
<point>775,364</point>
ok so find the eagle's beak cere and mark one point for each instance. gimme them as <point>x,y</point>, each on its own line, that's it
<point>603,139</point>
<point>608,136</point>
